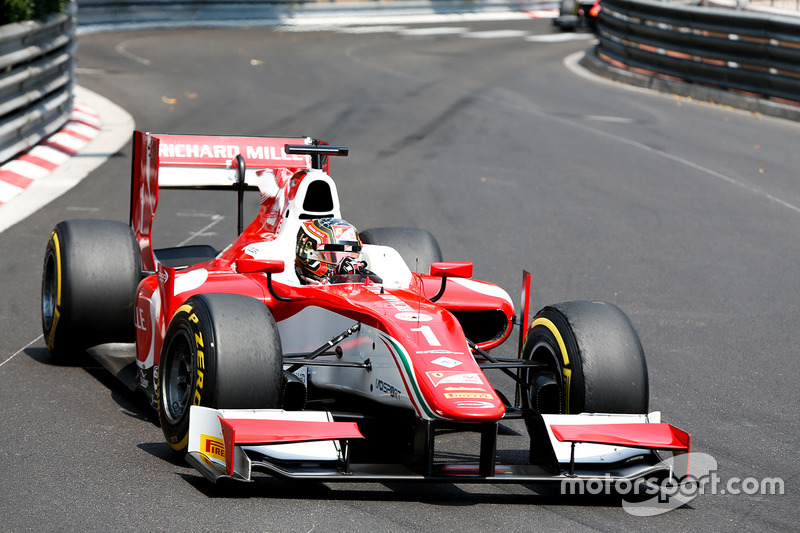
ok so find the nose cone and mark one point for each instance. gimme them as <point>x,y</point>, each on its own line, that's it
<point>463,395</point>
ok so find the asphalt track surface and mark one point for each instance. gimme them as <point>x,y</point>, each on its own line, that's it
<point>685,215</point>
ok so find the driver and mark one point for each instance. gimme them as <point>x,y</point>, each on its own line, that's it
<point>329,251</point>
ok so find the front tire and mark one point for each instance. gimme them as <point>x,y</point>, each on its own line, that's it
<point>91,272</point>
<point>221,351</point>
<point>592,361</point>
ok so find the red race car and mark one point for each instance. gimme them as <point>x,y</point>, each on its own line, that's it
<point>308,350</point>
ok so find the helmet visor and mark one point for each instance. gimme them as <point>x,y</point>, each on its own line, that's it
<point>334,253</point>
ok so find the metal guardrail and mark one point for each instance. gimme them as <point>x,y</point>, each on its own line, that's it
<point>37,76</point>
<point>742,52</point>
<point>107,14</point>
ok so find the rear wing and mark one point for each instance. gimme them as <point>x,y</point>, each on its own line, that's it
<point>203,162</point>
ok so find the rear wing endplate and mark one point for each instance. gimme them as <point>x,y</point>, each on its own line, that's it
<point>202,162</point>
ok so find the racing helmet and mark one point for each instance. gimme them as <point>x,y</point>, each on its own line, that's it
<point>322,244</point>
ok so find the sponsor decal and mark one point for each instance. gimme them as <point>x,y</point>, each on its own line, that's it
<point>413,317</point>
<point>475,404</point>
<point>387,388</point>
<point>199,347</point>
<point>138,318</point>
<point>446,362</point>
<point>192,153</point>
<point>451,376</point>
<point>142,379</point>
<point>398,304</point>
<point>212,447</point>
<point>302,374</point>
<point>481,389</point>
<point>465,395</point>
<point>342,232</point>
<point>163,276</point>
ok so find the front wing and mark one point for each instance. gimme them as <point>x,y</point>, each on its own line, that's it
<point>310,445</point>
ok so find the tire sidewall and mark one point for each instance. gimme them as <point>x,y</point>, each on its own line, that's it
<point>550,341</point>
<point>191,324</point>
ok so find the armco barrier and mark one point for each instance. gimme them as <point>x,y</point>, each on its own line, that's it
<point>37,76</point>
<point>741,58</point>
<point>106,14</point>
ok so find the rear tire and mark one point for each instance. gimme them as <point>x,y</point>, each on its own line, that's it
<point>221,351</point>
<point>92,269</point>
<point>592,361</point>
<point>416,246</point>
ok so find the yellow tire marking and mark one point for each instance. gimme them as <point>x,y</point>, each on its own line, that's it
<point>566,373</point>
<point>58,268</point>
<point>185,307</point>
<point>57,310</point>
<point>554,330</point>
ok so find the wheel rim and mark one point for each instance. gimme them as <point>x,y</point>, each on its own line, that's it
<point>178,378</point>
<point>542,352</point>
<point>49,293</point>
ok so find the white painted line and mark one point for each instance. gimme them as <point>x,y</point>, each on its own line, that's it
<point>215,219</point>
<point>307,28</point>
<point>370,29</point>
<point>37,339</point>
<point>121,50</point>
<point>427,32</point>
<point>604,118</point>
<point>496,34</point>
<point>560,37</point>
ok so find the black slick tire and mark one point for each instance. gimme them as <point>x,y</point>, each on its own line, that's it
<point>221,351</point>
<point>91,271</point>
<point>592,352</point>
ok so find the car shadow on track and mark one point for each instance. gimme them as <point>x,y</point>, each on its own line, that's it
<point>440,494</point>
<point>133,403</point>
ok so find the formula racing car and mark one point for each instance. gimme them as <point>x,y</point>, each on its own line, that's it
<point>308,350</point>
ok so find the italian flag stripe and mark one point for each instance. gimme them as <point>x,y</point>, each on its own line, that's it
<point>411,381</point>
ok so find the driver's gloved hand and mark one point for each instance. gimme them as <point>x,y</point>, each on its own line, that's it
<point>349,265</point>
